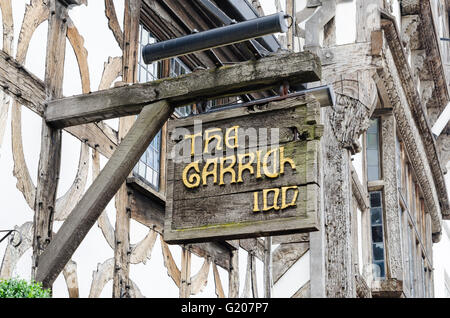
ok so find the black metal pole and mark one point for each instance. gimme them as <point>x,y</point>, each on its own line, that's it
<point>205,40</point>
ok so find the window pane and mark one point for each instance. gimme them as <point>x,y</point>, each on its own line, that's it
<point>149,175</point>
<point>372,141</point>
<point>375,199</point>
<point>376,216</point>
<point>373,128</point>
<point>378,271</point>
<point>372,158</point>
<point>378,252</point>
<point>373,151</point>
<point>155,178</point>
<point>142,168</point>
<point>377,234</point>
<point>151,154</point>
<point>148,166</point>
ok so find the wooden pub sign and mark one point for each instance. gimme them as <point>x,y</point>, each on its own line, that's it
<point>244,172</point>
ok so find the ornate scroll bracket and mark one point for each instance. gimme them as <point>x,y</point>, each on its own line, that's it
<point>356,99</point>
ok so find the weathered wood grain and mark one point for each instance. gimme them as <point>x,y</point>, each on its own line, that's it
<point>233,276</point>
<point>200,280</point>
<point>113,23</point>
<point>246,293</point>
<point>101,191</point>
<point>28,90</point>
<point>8,37</point>
<point>51,138</point>
<point>130,46</point>
<point>285,256</point>
<point>142,251</point>
<point>184,90</point>
<point>253,275</point>
<point>70,275</point>
<point>304,291</point>
<point>224,212</point>
<point>185,286</point>
<point>294,238</point>
<point>100,277</point>
<point>268,267</point>
<point>81,54</point>
<point>8,26</point>
<point>218,283</point>
<point>169,263</point>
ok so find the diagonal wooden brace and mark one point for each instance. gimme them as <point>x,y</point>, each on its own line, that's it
<point>102,190</point>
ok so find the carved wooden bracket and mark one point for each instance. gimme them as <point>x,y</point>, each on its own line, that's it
<point>356,98</point>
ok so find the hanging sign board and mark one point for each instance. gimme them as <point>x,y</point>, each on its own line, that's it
<point>244,172</point>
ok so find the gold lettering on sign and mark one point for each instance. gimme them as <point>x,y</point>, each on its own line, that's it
<point>274,163</point>
<point>229,169</point>
<point>284,191</point>
<point>275,199</point>
<point>209,138</point>
<point>255,202</point>
<point>212,172</point>
<point>194,179</point>
<point>192,137</point>
<point>235,137</point>
<point>259,163</point>
<point>275,206</point>
<point>248,166</point>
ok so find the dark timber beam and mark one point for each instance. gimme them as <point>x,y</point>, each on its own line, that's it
<point>100,193</point>
<point>225,81</point>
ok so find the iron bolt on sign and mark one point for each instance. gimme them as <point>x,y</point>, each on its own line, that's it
<point>244,172</point>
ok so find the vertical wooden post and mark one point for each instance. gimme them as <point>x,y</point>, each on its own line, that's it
<point>290,5</point>
<point>50,157</point>
<point>122,229</point>
<point>233,287</point>
<point>185,285</point>
<point>339,278</point>
<point>253,275</point>
<point>268,267</point>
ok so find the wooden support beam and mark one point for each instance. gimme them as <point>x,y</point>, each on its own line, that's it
<point>29,91</point>
<point>121,278</point>
<point>51,138</point>
<point>233,281</point>
<point>268,267</point>
<point>20,84</point>
<point>225,81</point>
<point>185,284</point>
<point>290,9</point>
<point>94,201</point>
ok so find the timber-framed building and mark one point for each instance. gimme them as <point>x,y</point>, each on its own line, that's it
<point>383,196</point>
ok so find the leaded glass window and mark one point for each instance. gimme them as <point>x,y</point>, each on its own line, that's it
<point>373,151</point>
<point>376,216</point>
<point>177,68</point>
<point>148,167</point>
